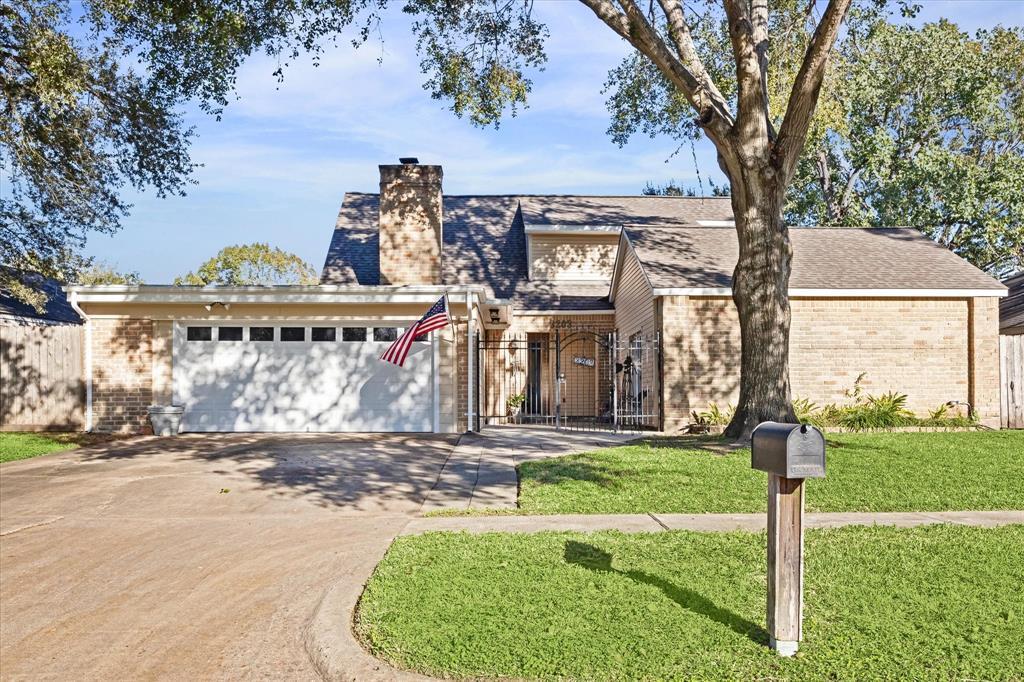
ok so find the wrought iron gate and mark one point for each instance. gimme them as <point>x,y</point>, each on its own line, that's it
<point>570,379</point>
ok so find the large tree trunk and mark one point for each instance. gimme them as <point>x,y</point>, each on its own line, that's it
<point>760,292</point>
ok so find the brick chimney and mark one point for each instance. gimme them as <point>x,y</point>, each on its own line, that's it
<point>410,223</point>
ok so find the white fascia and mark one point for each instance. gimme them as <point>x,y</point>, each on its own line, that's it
<point>324,293</point>
<point>844,293</point>
<point>537,313</point>
<point>573,229</point>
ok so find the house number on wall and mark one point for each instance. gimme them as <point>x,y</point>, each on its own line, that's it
<point>586,362</point>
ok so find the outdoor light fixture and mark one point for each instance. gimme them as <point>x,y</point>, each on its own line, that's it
<point>210,306</point>
<point>495,316</point>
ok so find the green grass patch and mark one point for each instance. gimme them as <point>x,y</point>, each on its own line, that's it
<point>930,603</point>
<point>14,446</point>
<point>942,471</point>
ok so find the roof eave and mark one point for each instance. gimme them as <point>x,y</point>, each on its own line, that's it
<point>842,293</point>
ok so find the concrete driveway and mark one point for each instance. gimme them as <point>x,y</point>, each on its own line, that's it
<point>200,557</point>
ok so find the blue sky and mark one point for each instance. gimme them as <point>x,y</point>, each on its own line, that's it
<point>276,166</point>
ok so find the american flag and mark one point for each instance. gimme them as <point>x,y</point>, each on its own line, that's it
<point>436,318</point>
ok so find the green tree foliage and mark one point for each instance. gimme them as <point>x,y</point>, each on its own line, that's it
<point>104,273</point>
<point>675,189</point>
<point>938,143</point>
<point>747,74</point>
<point>78,127</point>
<point>251,264</point>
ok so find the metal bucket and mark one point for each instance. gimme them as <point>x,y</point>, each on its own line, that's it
<point>166,419</point>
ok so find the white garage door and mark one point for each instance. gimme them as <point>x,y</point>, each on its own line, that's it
<point>289,376</point>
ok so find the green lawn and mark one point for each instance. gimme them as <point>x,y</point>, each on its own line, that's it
<point>930,603</point>
<point>866,472</point>
<point>24,445</point>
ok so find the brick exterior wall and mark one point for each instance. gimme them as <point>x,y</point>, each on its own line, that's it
<point>122,360</point>
<point>934,350</point>
<point>410,224</point>
<point>983,359</point>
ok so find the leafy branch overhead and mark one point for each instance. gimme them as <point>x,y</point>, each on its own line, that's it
<point>746,74</point>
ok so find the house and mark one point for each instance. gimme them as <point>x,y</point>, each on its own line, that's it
<point>1011,308</point>
<point>588,310</point>
<point>41,355</point>
<point>1011,353</point>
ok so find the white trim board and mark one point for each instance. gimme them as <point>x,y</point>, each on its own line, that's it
<point>843,293</point>
<point>573,229</point>
<point>535,313</point>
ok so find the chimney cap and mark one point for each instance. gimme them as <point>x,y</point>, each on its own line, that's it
<point>408,160</point>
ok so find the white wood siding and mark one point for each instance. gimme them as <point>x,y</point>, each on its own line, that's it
<point>572,257</point>
<point>634,300</point>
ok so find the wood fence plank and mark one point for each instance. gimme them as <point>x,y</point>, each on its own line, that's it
<point>1011,373</point>
<point>42,377</point>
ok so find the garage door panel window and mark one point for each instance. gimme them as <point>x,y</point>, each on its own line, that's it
<point>385,334</point>
<point>200,334</point>
<point>353,334</point>
<point>323,333</point>
<point>293,333</point>
<point>229,333</point>
<point>261,333</point>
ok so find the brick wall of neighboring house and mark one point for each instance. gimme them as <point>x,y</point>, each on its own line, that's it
<point>934,350</point>
<point>122,360</point>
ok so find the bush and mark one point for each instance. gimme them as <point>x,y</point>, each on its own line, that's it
<point>885,411</point>
<point>714,416</point>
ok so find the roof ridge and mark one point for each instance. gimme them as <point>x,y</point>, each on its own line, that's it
<point>581,196</point>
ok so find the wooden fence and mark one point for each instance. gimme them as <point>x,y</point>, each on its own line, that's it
<point>41,377</point>
<point>1011,371</point>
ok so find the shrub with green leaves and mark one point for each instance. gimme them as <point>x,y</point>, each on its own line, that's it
<point>885,411</point>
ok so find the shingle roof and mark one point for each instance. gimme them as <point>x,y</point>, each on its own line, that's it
<point>484,240</point>
<point>823,258</point>
<point>1011,308</point>
<point>634,210</point>
<point>485,244</point>
<point>57,308</point>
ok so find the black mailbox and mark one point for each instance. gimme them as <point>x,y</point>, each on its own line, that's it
<point>788,450</point>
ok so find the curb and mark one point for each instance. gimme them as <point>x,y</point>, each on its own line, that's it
<point>330,642</point>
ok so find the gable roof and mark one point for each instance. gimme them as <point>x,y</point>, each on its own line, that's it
<point>1011,308</point>
<point>823,258</point>
<point>57,308</point>
<point>485,245</point>
<point>485,240</point>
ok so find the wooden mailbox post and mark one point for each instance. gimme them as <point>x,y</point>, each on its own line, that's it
<point>789,453</point>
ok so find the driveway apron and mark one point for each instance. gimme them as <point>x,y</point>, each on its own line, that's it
<point>198,557</point>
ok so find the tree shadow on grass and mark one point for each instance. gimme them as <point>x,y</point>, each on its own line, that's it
<point>598,560</point>
<point>574,468</point>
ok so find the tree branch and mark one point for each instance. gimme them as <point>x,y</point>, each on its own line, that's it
<point>683,41</point>
<point>631,24</point>
<point>806,89</point>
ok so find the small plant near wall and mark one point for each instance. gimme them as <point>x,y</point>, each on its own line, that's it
<point>717,417</point>
<point>514,404</point>
<point>885,411</point>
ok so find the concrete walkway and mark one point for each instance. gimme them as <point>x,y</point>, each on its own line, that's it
<point>652,523</point>
<point>481,471</point>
